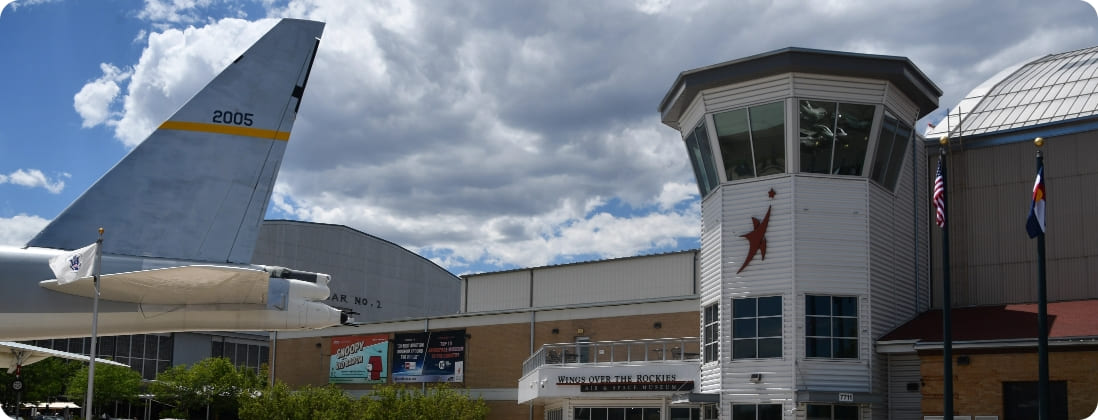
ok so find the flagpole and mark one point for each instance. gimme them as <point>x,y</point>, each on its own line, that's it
<point>1042,309</point>
<point>947,300</point>
<point>95,325</point>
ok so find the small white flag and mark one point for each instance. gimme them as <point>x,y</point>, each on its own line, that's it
<point>73,265</point>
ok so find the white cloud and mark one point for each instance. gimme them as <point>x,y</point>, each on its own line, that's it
<point>174,11</point>
<point>34,178</point>
<point>93,101</point>
<point>17,230</point>
<point>524,133</point>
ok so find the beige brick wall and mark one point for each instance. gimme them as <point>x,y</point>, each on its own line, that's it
<point>978,386</point>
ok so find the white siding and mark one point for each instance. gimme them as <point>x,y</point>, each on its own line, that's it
<point>648,277</point>
<point>739,95</point>
<point>768,275</point>
<point>832,235</point>
<point>838,88</point>
<point>498,291</point>
<point>904,404</point>
<point>709,282</point>
<point>832,256</point>
<point>900,105</point>
<point>692,116</point>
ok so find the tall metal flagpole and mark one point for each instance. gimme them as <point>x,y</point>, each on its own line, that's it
<point>95,325</point>
<point>1042,307</point>
<point>947,299</point>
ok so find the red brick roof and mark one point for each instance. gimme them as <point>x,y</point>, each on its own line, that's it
<point>1066,319</point>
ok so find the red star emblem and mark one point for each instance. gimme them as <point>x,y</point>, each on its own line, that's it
<point>756,239</point>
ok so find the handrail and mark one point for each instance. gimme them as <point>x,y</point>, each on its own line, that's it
<point>620,351</point>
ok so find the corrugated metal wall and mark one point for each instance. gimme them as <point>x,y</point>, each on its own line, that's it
<point>646,277</point>
<point>994,261</point>
<point>498,291</point>
<point>620,280</point>
<point>376,278</point>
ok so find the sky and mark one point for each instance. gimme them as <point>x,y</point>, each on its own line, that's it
<point>484,135</point>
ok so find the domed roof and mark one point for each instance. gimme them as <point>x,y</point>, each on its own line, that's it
<point>1043,90</point>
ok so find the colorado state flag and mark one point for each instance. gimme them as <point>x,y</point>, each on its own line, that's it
<point>1035,224</point>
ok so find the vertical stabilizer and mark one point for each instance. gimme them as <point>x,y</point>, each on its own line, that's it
<point>197,188</point>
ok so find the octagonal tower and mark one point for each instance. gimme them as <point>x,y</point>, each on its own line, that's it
<point>813,202</point>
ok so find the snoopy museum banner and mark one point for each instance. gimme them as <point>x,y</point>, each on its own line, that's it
<point>436,356</point>
<point>359,359</point>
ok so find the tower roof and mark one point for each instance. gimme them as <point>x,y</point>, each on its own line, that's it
<point>899,71</point>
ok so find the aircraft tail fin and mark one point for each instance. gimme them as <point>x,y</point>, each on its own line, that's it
<point>197,188</point>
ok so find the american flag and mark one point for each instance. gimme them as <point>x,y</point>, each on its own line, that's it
<point>940,196</point>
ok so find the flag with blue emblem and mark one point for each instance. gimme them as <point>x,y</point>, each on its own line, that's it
<point>74,265</point>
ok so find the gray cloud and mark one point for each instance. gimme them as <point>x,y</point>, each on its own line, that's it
<point>495,131</point>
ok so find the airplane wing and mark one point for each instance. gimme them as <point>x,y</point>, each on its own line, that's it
<point>16,354</point>
<point>186,285</point>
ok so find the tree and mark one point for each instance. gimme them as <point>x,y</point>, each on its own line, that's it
<point>43,381</point>
<point>112,384</point>
<point>212,384</point>
<point>385,402</point>
<point>309,403</point>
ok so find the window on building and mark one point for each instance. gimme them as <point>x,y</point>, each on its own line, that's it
<point>892,144</point>
<point>701,158</point>
<point>616,413</point>
<point>1020,400</point>
<point>831,327</point>
<point>554,414</point>
<point>756,412</point>
<point>712,332</point>
<point>752,140</point>
<point>685,413</point>
<point>832,412</point>
<point>834,136</point>
<point>757,327</point>
<point>711,412</point>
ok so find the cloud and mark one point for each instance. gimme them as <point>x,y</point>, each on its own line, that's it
<point>18,230</point>
<point>93,101</point>
<point>34,178</point>
<point>500,133</point>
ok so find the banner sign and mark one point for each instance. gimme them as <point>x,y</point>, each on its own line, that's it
<point>359,359</point>
<point>436,356</point>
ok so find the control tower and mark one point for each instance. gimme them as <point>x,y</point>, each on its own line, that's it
<point>814,239</point>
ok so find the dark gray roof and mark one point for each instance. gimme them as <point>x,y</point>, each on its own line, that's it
<point>900,71</point>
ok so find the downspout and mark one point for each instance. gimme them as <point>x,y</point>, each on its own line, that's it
<point>915,219</point>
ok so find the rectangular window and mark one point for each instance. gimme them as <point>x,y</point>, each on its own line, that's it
<point>701,158</point>
<point>831,327</point>
<point>892,144</point>
<point>756,412</point>
<point>752,140</point>
<point>712,332</point>
<point>757,327</point>
<point>834,136</point>
<point>832,412</point>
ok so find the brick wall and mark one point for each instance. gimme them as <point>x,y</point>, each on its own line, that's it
<point>978,386</point>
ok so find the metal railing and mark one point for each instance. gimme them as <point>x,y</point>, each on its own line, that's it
<point>622,351</point>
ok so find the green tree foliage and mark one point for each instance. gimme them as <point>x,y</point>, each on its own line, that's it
<point>43,381</point>
<point>212,383</point>
<point>309,403</point>
<point>385,402</point>
<point>112,383</point>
